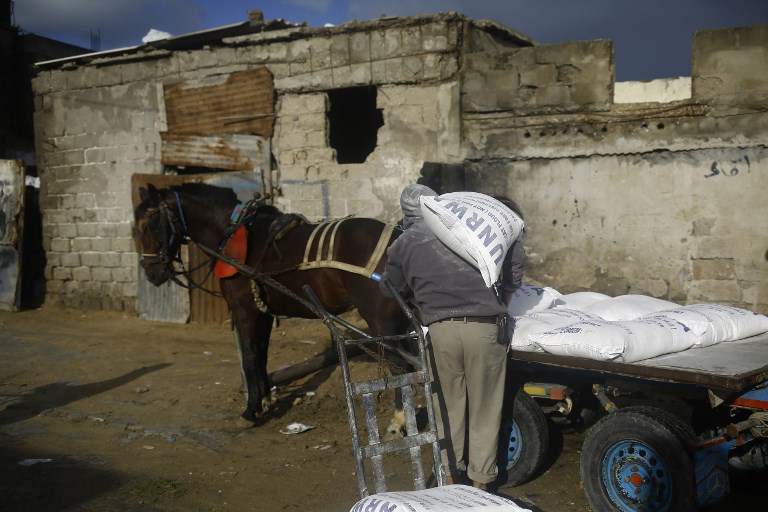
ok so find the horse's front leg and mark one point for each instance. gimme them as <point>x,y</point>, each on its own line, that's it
<point>252,329</point>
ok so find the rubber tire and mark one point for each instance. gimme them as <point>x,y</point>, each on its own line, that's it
<point>534,431</point>
<point>638,424</point>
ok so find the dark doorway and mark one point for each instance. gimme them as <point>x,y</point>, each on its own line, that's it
<point>354,122</point>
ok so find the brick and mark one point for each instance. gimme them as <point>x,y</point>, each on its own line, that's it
<point>81,274</point>
<point>70,259</point>
<point>82,244</point>
<point>123,244</point>
<point>110,259</point>
<point>106,230</point>
<point>54,285</point>
<point>85,200</point>
<point>101,274</point>
<point>129,259</point>
<point>129,289</point>
<point>62,273</point>
<point>90,259</point>
<point>714,269</point>
<point>715,291</point>
<point>320,52</point>
<point>60,245</point>
<point>67,201</point>
<point>95,155</point>
<point>411,37</point>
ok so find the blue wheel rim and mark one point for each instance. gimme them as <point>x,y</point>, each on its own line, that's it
<point>514,443</point>
<point>636,478</point>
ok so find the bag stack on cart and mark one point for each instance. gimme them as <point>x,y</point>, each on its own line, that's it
<point>627,328</point>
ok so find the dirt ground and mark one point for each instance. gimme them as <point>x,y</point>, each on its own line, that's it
<point>141,416</point>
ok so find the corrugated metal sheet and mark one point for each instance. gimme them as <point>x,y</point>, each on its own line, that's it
<point>230,152</point>
<point>240,102</point>
<point>172,303</point>
<point>11,231</point>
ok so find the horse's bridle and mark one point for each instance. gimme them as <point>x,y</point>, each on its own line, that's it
<point>165,257</point>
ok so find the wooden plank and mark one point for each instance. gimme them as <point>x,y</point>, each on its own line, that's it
<point>11,232</point>
<point>228,152</point>
<point>239,102</point>
<point>730,366</point>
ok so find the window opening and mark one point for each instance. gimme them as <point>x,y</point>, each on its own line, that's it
<point>354,122</point>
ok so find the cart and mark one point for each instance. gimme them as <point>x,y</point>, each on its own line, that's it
<point>671,422</point>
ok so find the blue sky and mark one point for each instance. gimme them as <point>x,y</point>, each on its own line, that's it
<point>652,38</point>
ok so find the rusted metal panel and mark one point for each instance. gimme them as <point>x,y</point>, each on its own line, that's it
<point>239,102</point>
<point>170,302</point>
<point>11,231</point>
<point>230,152</point>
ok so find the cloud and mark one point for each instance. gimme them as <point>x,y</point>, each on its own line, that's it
<point>121,22</point>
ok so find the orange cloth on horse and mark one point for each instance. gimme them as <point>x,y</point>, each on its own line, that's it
<point>237,249</point>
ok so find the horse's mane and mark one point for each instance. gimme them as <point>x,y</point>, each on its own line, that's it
<point>204,191</point>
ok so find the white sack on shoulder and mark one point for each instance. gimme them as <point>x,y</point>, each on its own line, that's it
<point>579,300</point>
<point>543,321</point>
<point>730,323</point>
<point>529,299</point>
<point>477,227</point>
<point>628,307</point>
<point>655,336</point>
<point>599,340</point>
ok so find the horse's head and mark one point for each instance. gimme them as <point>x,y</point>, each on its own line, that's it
<point>158,232</point>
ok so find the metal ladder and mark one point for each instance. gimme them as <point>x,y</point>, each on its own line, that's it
<point>365,391</point>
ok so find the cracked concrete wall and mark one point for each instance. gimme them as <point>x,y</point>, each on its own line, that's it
<point>661,223</point>
<point>663,199</point>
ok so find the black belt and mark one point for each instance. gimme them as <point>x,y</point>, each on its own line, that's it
<point>477,319</point>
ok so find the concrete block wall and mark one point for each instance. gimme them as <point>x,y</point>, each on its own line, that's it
<point>663,199</point>
<point>89,142</point>
<point>570,77</point>
<point>97,124</point>
<point>420,125</point>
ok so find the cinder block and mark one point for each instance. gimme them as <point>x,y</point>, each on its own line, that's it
<point>60,245</point>
<point>360,48</point>
<point>91,259</point>
<point>121,275</point>
<point>320,52</point>
<point>340,53</point>
<point>53,285</point>
<point>82,244</point>
<point>129,289</point>
<point>101,274</point>
<point>85,200</point>
<point>411,37</point>
<point>62,273</point>
<point>129,259</point>
<point>110,259</point>
<point>81,274</point>
<point>122,244</point>
<point>70,259</point>
<point>86,229</point>
<point>66,230</point>
<point>101,244</point>
<point>413,68</point>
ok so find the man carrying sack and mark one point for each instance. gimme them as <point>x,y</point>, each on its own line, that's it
<point>464,317</point>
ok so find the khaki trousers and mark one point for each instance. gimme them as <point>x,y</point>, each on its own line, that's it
<point>468,370</point>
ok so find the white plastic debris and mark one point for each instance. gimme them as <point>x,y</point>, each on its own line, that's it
<point>295,428</point>
<point>32,181</point>
<point>155,35</point>
<point>32,462</point>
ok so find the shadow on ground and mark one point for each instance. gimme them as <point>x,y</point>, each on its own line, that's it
<point>58,394</point>
<point>63,483</point>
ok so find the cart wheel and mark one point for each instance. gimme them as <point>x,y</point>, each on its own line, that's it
<point>632,461</point>
<point>524,440</point>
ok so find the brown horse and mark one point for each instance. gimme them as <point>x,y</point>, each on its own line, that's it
<point>167,218</point>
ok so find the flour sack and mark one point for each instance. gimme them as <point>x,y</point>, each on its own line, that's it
<point>477,227</point>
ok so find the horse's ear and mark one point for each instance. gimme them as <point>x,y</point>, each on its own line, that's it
<point>154,194</point>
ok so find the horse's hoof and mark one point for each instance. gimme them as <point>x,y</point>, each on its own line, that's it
<point>249,416</point>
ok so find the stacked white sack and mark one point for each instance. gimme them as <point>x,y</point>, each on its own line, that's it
<point>591,339</point>
<point>530,299</point>
<point>628,307</point>
<point>477,227</point>
<point>543,321</point>
<point>724,323</point>
<point>655,336</point>
<point>579,300</point>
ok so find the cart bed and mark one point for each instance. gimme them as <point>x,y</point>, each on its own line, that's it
<point>732,366</point>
